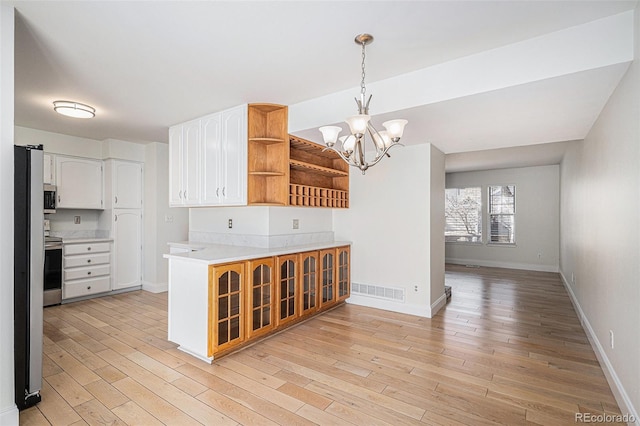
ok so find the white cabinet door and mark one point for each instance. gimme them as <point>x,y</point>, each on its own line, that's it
<point>79,182</point>
<point>127,185</point>
<point>48,175</point>
<point>175,166</point>
<point>127,248</point>
<point>211,140</point>
<point>208,160</point>
<point>191,163</point>
<point>234,156</point>
<point>184,164</point>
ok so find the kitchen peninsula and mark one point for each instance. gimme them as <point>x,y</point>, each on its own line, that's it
<point>222,297</point>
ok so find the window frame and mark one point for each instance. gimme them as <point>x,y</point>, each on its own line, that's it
<point>490,214</point>
<point>480,240</point>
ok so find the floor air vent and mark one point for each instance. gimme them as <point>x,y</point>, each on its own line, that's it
<point>390,293</point>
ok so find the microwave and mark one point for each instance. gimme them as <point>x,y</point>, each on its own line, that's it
<point>49,198</point>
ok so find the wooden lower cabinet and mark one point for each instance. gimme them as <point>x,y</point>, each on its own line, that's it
<point>260,297</point>
<point>226,311</point>
<point>287,288</point>
<point>308,281</point>
<point>253,298</point>
<point>327,278</point>
<point>343,272</point>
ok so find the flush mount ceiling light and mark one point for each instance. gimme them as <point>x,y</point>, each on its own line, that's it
<point>352,148</point>
<point>74,109</point>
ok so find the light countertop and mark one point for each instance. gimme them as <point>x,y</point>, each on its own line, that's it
<point>212,254</point>
<point>84,240</point>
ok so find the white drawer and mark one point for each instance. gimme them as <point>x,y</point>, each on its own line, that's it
<point>86,248</point>
<point>86,287</point>
<point>87,260</point>
<point>86,272</point>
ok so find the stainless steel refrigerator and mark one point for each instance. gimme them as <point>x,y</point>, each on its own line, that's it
<point>28,273</point>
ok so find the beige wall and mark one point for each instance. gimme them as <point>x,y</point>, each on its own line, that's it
<point>537,219</point>
<point>600,239</point>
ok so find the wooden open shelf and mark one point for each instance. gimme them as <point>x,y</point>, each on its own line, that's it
<point>287,170</point>
<point>317,178</point>
<point>268,154</point>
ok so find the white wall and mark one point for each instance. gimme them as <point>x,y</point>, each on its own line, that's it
<point>600,234</point>
<point>8,409</point>
<point>161,223</point>
<point>537,219</point>
<point>58,143</point>
<point>388,221</point>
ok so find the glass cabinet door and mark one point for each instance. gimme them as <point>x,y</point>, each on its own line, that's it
<point>227,328</point>
<point>327,277</point>
<point>260,296</point>
<point>308,282</point>
<point>344,280</point>
<point>287,288</point>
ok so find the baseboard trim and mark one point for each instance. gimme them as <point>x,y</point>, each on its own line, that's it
<point>507,265</point>
<point>620,394</point>
<point>438,304</point>
<point>387,305</point>
<point>10,416</point>
<point>154,287</point>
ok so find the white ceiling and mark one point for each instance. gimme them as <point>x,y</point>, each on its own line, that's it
<point>147,65</point>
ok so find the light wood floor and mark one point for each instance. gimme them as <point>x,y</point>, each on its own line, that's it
<point>508,348</point>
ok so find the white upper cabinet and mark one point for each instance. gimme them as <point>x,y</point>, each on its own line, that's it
<point>123,184</point>
<point>79,183</point>
<point>208,160</point>
<point>48,175</point>
<point>184,164</point>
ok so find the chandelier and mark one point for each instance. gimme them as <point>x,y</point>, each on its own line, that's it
<point>352,148</point>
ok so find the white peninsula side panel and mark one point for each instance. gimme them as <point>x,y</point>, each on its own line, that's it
<point>189,307</point>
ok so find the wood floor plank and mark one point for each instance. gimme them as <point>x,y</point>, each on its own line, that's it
<point>507,348</point>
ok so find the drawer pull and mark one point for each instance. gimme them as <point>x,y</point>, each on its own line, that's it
<point>88,260</point>
<point>88,287</point>
<point>89,273</point>
<point>89,248</point>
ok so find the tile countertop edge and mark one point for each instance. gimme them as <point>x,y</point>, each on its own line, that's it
<point>213,254</point>
<point>80,240</point>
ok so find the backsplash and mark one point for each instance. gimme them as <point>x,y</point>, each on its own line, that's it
<point>262,241</point>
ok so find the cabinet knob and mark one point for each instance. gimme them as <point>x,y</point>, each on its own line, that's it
<point>88,260</point>
<point>88,287</point>
<point>58,198</point>
<point>89,273</point>
<point>116,199</point>
<point>89,248</point>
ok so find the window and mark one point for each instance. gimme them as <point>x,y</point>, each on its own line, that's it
<point>502,210</point>
<point>463,215</point>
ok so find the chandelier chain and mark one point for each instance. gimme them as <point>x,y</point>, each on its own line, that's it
<point>362,88</point>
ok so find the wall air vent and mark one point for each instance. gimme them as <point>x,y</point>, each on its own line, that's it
<point>389,293</point>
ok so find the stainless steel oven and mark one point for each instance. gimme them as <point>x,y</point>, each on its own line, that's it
<point>52,271</point>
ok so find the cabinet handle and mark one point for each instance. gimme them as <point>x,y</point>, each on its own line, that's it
<point>217,192</point>
<point>89,248</point>
<point>115,218</point>
<point>223,194</point>
<point>180,194</point>
<point>185,195</point>
<point>89,273</point>
<point>88,260</point>
<point>116,199</point>
<point>58,198</point>
<point>88,287</point>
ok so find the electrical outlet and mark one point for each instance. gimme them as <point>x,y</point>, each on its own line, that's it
<point>76,220</point>
<point>611,338</point>
<point>230,223</point>
<point>296,224</point>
